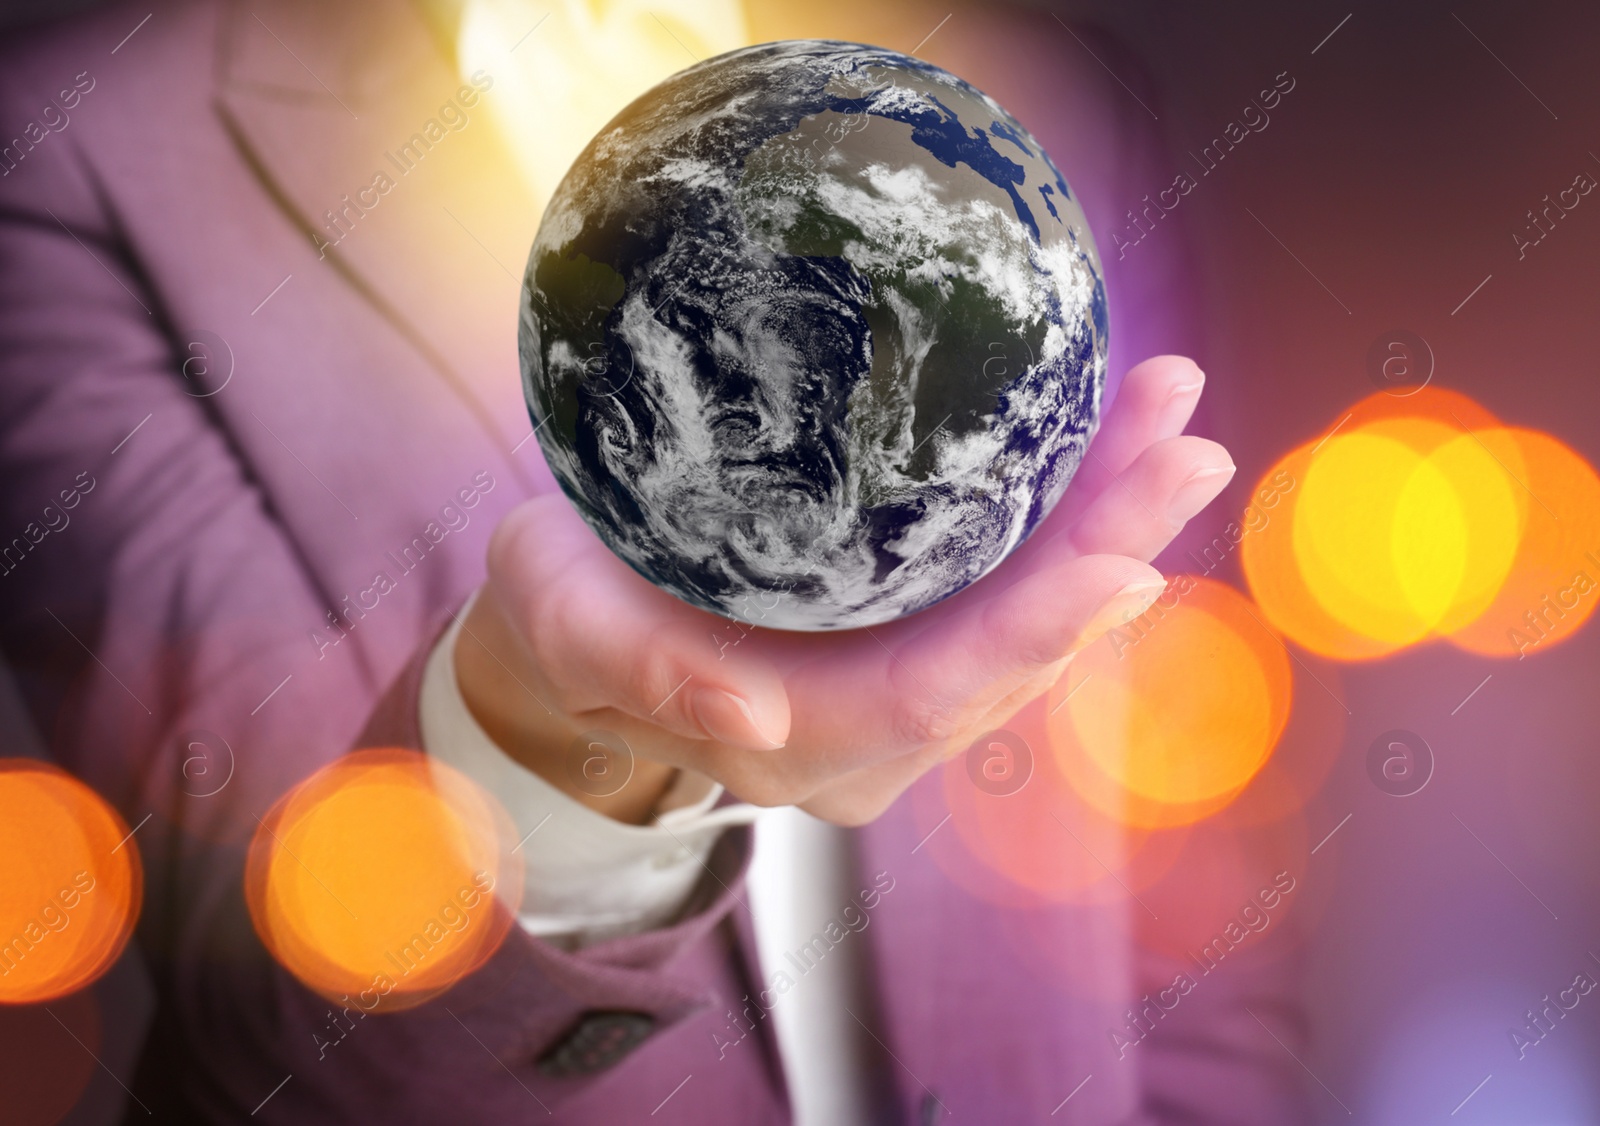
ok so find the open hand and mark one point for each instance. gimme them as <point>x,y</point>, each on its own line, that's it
<point>565,638</point>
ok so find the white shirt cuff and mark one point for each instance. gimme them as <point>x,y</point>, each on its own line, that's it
<point>587,877</point>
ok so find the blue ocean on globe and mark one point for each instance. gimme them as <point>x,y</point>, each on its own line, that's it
<point>813,335</point>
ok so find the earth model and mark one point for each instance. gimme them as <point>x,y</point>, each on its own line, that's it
<point>813,335</point>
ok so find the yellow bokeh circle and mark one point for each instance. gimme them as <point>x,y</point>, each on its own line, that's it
<point>70,883</point>
<point>1423,520</point>
<point>1178,708</point>
<point>385,877</point>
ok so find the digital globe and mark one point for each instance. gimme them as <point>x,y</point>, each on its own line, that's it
<point>813,335</point>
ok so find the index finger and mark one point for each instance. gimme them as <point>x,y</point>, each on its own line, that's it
<point>929,687</point>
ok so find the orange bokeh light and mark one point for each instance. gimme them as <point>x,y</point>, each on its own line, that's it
<point>1402,526</point>
<point>1420,517</point>
<point>1273,573</point>
<point>1047,847</point>
<point>72,887</point>
<point>1169,716</point>
<point>1040,839</point>
<point>385,877</point>
<point>1449,407</point>
<point>1551,588</point>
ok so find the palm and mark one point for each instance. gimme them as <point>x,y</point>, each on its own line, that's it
<point>861,712</point>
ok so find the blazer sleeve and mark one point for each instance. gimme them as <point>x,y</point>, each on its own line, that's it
<point>154,608</point>
<point>151,603</point>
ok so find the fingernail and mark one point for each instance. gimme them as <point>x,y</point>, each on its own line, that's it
<point>729,719</point>
<point>1121,608</point>
<point>1189,388</point>
<point>1199,490</point>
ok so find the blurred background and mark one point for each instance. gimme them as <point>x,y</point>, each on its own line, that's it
<point>1395,263</point>
<point>1392,190</point>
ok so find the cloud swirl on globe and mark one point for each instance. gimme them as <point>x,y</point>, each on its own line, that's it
<point>813,335</point>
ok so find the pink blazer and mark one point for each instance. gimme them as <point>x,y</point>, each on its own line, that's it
<point>270,425</point>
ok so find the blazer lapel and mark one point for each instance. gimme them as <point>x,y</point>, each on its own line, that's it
<point>354,118</point>
<point>973,1003</point>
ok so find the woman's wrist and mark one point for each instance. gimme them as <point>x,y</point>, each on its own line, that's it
<point>500,684</point>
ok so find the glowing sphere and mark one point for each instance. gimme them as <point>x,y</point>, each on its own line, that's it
<point>385,877</point>
<point>813,334</point>
<point>70,883</point>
